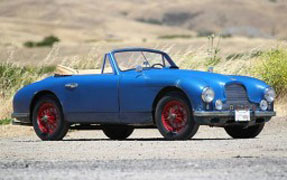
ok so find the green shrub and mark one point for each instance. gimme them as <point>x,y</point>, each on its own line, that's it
<point>149,21</point>
<point>46,42</point>
<point>175,36</point>
<point>29,44</point>
<point>273,69</point>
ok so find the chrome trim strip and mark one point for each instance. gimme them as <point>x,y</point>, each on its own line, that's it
<point>260,113</point>
<point>20,115</point>
<point>230,113</point>
<point>212,113</point>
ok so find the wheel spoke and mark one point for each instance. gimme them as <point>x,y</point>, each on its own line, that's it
<point>47,118</point>
<point>174,116</point>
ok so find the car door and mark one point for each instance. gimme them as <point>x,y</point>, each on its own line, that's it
<point>136,97</point>
<point>95,97</point>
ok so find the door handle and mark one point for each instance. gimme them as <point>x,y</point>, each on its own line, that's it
<point>71,85</point>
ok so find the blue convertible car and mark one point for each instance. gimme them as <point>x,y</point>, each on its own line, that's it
<point>140,86</point>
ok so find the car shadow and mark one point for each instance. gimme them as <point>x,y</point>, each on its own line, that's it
<point>151,139</point>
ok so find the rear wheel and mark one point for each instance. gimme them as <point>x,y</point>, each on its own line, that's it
<point>174,119</point>
<point>117,132</point>
<point>244,132</point>
<point>48,119</point>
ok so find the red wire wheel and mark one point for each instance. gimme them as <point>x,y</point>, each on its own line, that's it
<point>47,118</point>
<point>174,116</point>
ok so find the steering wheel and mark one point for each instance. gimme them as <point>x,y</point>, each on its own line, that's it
<point>157,64</point>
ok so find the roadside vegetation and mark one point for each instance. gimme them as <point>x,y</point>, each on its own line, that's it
<point>272,68</point>
<point>268,65</point>
<point>5,121</point>
<point>12,78</point>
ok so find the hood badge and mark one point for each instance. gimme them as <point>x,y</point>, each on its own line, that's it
<point>233,79</point>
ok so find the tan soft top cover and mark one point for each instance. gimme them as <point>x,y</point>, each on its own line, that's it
<point>64,70</point>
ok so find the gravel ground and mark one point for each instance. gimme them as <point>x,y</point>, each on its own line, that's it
<point>212,154</point>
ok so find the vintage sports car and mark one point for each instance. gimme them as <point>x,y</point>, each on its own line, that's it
<point>139,87</point>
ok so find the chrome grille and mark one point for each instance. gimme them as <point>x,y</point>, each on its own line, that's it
<point>235,96</point>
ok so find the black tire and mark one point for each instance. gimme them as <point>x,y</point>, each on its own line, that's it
<point>164,125</point>
<point>44,129</point>
<point>243,132</point>
<point>117,132</point>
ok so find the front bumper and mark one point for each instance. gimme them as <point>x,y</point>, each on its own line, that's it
<point>225,118</point>
<point>232,114</point>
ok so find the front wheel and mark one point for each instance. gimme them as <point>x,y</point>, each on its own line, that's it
<point>117,132</point>
<point>174,119</point>
<point>244,132</point>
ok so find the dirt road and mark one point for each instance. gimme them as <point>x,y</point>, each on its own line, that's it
<point>212,154</point>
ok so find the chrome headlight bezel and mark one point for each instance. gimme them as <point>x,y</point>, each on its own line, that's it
<point>269,94</point>
<point>207,95</point>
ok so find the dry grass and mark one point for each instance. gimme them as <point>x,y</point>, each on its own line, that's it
<point>280,106</point>
<point>242,63</point>
<point>12,78</point>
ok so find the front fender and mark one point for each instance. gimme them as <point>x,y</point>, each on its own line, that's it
<point>193,89</point>
<point>23,98</point>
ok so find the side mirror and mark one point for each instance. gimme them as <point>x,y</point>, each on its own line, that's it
<point>210,69</point>
<point>139,68</point>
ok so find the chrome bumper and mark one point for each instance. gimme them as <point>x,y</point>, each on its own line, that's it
<point>21,119</point>
<point>232,113</point>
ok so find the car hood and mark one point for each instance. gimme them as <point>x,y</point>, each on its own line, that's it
<point>254,87</point>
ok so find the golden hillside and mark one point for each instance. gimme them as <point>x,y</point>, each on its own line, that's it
<point>89,21</point>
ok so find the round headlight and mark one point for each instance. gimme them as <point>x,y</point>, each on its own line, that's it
<point>207,95</point>
<point>270,94</point>
<point>263,105</point>
<point>218,104</point>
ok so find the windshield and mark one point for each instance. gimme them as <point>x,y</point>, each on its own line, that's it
<point>131,59</point>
